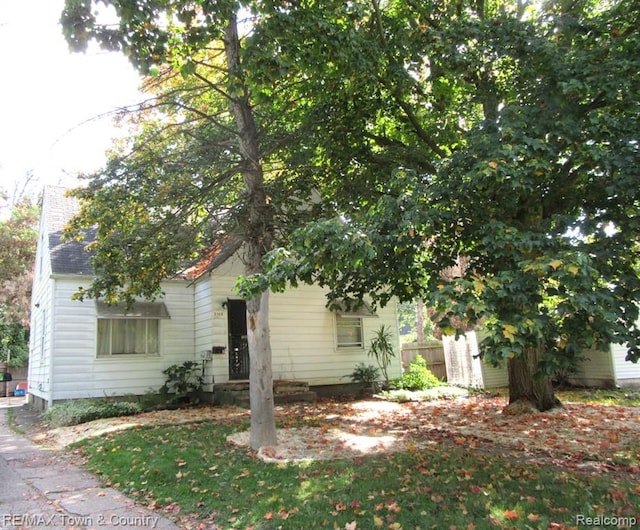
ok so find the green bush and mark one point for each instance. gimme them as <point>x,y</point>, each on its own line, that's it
<point>183,384</point>
<point>367,374</point>
<point>81,411</point>
<point>418,377</point>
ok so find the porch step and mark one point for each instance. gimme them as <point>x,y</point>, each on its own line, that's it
<point>237,393</point>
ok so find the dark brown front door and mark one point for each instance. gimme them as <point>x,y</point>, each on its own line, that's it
<point>238,345</point>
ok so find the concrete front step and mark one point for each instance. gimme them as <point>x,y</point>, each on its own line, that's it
<point>237,393</point>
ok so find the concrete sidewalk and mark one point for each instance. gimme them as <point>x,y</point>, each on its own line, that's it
<point>43,489</point>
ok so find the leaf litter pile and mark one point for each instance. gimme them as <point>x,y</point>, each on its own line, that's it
<point>463,462</point>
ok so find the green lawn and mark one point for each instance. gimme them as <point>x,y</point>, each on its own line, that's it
<point>625,396</point>
<point>192,475</point>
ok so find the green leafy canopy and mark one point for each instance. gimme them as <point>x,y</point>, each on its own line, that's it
<point>534,181</point>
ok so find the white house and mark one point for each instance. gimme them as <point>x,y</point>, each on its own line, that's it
<point>608,369</point>
<point>604,369</point>
<point>89,349</point>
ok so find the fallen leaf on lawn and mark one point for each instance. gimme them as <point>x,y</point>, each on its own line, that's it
<point>174,508</point>
<point>393,507</point>
<point>510,514</point>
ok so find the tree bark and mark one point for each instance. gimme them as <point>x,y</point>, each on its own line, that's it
<point>526,386</point>
<point>259,239</point>
<point>263,430</point>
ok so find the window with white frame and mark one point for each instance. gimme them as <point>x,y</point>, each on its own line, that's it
<point>130,331</point>
<point>349,332</point>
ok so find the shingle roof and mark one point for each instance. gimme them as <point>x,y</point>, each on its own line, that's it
<point>71,257</point>
<point>67,257</point>
<point>214,256</point>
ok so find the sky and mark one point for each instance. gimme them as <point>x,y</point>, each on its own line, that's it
<point>50,98</point>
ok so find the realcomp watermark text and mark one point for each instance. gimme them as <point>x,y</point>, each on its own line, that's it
<point>606,520</point>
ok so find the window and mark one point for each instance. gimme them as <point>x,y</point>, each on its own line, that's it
<point>122,336</point>
<point>349,332</point>
<point>349,327</point>
<point>135,331</point>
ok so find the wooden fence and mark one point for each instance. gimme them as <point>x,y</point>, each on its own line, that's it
<point>433,354</point>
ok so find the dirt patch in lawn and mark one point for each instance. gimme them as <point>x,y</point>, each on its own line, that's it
<point>578,435</point>
<point>300,444</point>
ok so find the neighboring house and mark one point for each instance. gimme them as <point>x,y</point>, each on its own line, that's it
<point>608,369</point>
<point>89,349</point>
<point>464,367</point>
<point>605,369</point>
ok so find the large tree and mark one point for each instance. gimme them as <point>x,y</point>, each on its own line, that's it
<point>201,171</point>
<point>512,135</point>
<point>494,132</point>
<point>18,237</point>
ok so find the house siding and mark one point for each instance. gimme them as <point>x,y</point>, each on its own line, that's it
<point>222,288</point>
<point>78,373</point>
<point>595,370</point>
<point>302,331</point>
<point>209,332</point>
<point>627,374</point>
<point>40,350</point>
<point>304,338</point>
<point>39,371</point>
<point>494,377</point>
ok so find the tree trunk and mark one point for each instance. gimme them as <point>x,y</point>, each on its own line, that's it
<point>526,386</point>
<point>263,431</point>
<point>259,239</point>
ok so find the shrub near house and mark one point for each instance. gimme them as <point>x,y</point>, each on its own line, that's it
<point>417,377</point>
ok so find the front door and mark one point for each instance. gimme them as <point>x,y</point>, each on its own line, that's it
<point>238,345</point>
